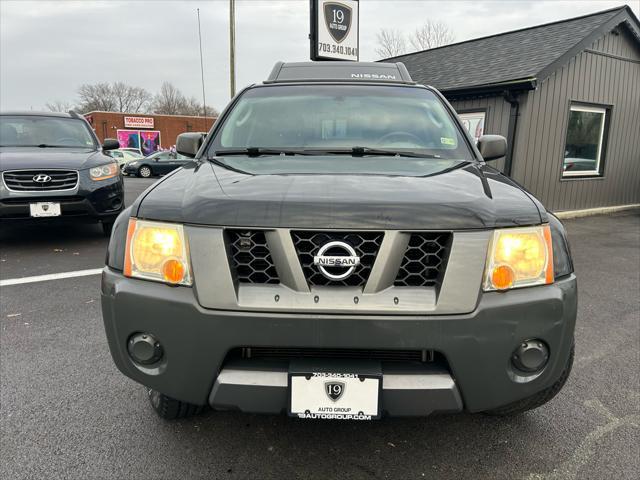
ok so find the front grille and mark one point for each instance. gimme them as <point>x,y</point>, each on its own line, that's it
<point>425,260</point>
<point>251,257</point>
<point>366,245</point>
<point>288,353</point>
<point>23,180</point>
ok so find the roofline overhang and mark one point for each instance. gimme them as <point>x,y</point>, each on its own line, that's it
<point>519,85</point>
<point>624,16</point>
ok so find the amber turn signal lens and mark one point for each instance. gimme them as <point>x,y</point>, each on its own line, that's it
<point>173,271</point>
<point>502,277</point>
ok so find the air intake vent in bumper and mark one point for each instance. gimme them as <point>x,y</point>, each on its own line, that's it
<point>425,260</point>
<point>366,245</point>
<point>290,353</point>
<point>251,257</point>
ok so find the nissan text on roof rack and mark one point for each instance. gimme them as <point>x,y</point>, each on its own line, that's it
<point>340,249</point>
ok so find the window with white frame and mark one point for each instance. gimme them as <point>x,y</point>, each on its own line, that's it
<point>473,122</point>
<point>584,145</point>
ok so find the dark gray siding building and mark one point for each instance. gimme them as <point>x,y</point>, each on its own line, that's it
<point>567,97</point>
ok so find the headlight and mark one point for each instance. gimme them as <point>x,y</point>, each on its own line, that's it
<point>519,257</point>
<point>103,172</point>
<point>157,251</point>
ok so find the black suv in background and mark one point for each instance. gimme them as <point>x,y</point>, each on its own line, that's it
<point>339,249</point>
<point>53,167</point>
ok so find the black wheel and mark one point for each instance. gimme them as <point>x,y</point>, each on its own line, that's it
<point>144,171</point>
<point>170,408</point>
<point>538,399</point>
<point>106,228</point>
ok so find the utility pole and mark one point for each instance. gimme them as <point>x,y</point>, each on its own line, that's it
<point>232,46</point>
<point>204,102</point>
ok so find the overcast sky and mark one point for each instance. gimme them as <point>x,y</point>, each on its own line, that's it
<point>48,49</point>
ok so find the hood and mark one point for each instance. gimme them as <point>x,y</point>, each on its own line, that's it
<point>471,197</point>
<point>16,158</point>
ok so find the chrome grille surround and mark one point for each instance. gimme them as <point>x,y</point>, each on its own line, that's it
<point>217,286</point>
<point>23,180</point>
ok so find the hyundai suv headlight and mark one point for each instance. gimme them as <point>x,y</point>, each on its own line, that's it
<point>103,172</point>
<point>157,251</point>
<point>519,257</point>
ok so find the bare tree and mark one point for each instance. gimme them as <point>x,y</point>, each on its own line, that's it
<point>169,101</point>
<point>193,107</point>
<point>98,96</point>
<point>116,97</point>
<point>120,97</point>
<point>59,106</point>
<point>391,43</point>
<point>431,35</point>
<point>130,99</point>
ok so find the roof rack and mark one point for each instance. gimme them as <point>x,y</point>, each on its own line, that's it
<point>340,71</point>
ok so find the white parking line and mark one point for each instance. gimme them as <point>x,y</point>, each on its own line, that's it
<point>50,276</point>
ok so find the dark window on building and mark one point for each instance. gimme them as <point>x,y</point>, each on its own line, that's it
<point>586,141</point>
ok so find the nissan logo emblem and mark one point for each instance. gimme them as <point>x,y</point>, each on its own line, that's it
<point>340,263</point>
<point>42,178</point>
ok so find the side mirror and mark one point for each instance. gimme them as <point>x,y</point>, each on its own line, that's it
<point>110,144</point>
<point>189,143</point>
<point>492,147</point>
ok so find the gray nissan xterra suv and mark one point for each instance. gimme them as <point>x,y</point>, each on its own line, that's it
<point>340,249</point>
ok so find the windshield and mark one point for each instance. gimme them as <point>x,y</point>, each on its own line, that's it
<point>42,131</point>
<point>341,117</point>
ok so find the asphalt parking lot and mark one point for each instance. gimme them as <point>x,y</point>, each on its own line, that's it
<point>66,412</point>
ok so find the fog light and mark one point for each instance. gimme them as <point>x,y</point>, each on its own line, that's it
<point>144,348</point>
<point>531,356</point>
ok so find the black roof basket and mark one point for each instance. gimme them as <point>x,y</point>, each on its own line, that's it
<point>340,71</point>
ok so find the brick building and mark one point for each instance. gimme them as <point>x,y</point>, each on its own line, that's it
<point>147,132</point>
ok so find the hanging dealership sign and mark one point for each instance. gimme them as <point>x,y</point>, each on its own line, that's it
<point>334,30</point>
<point>138,122</point>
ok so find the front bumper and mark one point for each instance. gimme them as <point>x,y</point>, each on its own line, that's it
<point>91,201</point>
<point>477,346</point>
<point>129,169</point>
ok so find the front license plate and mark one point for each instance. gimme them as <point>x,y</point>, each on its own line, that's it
<point>45,209</point>
<point>336,396</point>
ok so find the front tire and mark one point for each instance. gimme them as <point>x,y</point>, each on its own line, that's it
<point>538,399</point>
<point>170,409</point>
<point>144,172</point>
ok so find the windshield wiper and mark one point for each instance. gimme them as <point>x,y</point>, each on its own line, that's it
<point>257,151</point>
<point>365,151</point>
<point>222,164</point>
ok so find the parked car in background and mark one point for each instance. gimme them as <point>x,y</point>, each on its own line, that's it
<point>124,156</point>
<point>52,165</point>
<point>132,150</point>
<point>159,163</point>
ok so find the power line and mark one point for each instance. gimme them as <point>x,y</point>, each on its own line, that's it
<point>204,102</point>
<point>232,46</point>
